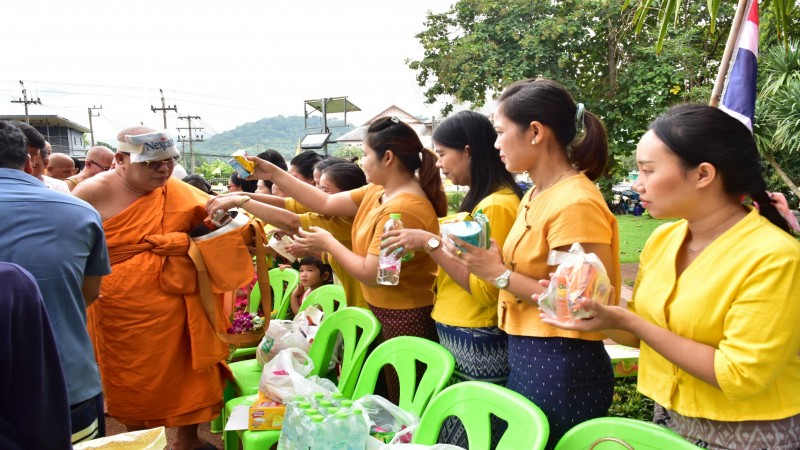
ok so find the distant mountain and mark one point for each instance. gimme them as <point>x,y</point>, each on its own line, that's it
<point>281,133</point>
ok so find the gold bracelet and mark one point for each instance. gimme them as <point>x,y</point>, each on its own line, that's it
<point>244,200</point>
<point>326,258</point>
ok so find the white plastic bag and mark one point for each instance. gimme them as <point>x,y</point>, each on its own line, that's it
<point>579,274</point>
<point>280,335</point>
<point>386,419</point>
<point>287,375</point>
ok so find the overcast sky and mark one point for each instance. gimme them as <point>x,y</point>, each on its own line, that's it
<point>229,62</point>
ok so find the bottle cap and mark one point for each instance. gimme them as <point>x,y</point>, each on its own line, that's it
<point>347,403</point>
<point>395,216</point>
<point>342,414</point>
<point>317,418</point>
<point>304,405</point>
<point>325,403</point>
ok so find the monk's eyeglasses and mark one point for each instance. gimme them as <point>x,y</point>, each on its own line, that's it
<point>168,163</point>
<point>105,168</point>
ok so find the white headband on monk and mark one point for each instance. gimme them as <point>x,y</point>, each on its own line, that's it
<point>155,146</point>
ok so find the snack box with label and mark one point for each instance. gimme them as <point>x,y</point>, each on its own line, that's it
<point>241,165</point>
<point>265,414</point>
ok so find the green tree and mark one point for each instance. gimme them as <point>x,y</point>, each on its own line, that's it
<point>106,144</point>
<point>778,114</point>
<point>215,169</point>
<point>477,47</point>
<point>349,152</point>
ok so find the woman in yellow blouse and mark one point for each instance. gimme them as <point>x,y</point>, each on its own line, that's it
<point>465,308</point>
<point>717,298</point>
<point>566,373</point>
<point>404,179</point>
<point>288,215</point>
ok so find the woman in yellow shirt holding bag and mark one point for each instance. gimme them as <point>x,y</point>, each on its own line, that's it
<point>716,301</point>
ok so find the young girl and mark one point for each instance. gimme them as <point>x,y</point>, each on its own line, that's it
<point>313,274</point>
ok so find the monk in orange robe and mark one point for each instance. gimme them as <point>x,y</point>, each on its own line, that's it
<point>160,360</point>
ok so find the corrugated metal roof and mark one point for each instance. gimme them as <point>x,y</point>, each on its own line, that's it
<point>44,120</point>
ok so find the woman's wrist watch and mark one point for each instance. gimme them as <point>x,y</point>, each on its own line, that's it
<point>432,244</point>
<point>501,282</point>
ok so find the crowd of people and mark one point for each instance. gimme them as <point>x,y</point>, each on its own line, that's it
<point>102,308</point>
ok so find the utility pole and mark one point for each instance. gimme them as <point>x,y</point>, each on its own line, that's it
<point>26,101</point>
<point>191,136</point>
<point>91,128</point>
<point>164,108</point>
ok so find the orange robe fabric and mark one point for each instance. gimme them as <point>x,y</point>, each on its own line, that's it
<point>159,359</point>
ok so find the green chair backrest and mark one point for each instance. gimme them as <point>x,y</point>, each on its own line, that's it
<point>358,327</point>
<point>607,433</point>
<point>473,402</point>
<point>329,298</point>
<point>283,282</point>
<point>403,353</point>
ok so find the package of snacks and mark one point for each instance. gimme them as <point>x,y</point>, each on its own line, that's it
<point>579,274</point>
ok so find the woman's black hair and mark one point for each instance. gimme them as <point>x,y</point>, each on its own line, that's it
<point>487,171</point>
<point>199,182</point>
<point>549,103</point>
<point>390,133</point>
<point>698,134</point>
<point>346,176</point>
<point>245,185</point>
<point>328,161</point>
<point>276,158</point>
<point>304,162</point>
<point>321,266</point>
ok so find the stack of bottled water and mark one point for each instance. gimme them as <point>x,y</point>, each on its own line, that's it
<point>317,422</point>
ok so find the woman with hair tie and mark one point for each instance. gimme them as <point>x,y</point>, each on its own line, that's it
<point>567,374</point>
<point>403,179</point>
<point>466,306</point>
<point>715,306</point>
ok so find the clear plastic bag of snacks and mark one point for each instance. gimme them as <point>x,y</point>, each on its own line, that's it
<point>579,274</point>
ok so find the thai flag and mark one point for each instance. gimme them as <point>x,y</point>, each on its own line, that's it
<point>739,99</point>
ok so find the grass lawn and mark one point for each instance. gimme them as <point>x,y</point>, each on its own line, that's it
<point>633,232</point>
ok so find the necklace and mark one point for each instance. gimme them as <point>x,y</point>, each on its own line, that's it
<point>554,181</point>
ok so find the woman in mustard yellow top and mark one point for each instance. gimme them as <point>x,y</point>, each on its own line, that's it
<point>336,175</point>
<point>566,373</point>
<point>466,306</point>
<point>404,179</point>
<point>717,298</point>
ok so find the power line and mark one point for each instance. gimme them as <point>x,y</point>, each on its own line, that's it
<point>191,136</point>
<point>26,102</point>
<point>164,108</point>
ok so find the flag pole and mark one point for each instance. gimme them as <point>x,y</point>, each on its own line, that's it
<point>740,17</point>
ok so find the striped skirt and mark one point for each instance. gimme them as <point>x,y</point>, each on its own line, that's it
<point>404,322</point>
<point>481,354</point>
<point>783,434</point>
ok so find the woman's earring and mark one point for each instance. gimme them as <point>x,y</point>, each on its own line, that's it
<point>534,141</point>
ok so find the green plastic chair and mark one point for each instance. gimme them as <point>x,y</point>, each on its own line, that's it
<point>358,327</point>
<point>403,353</point>
<point>619,433</point>
<point>473,402</point>
<point>283,283</point>
<point>329,298</point>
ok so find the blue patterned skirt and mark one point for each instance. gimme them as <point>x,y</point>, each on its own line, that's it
<point>481,354</point>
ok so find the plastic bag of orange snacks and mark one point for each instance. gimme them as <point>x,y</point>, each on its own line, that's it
<point>579,274</point>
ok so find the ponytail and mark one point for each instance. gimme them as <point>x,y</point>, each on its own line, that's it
<point>769,211</point>
<point>590,154</point>
<point>431,182</point>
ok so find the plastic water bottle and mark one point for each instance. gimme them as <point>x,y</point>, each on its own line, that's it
<point>338,431</point>
<point>291,422</point>
<point>305,428</point>
<point>357,430</point>
<point>389,260</point>
<point>318,434</point>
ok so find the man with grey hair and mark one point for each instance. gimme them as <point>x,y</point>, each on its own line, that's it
<point>160,360</point>
<point>98,160</point>
<point>68,270</point>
